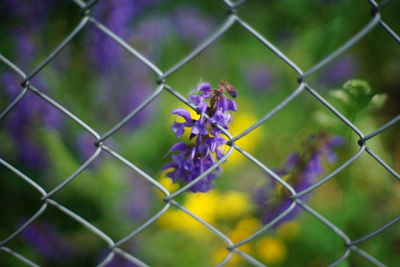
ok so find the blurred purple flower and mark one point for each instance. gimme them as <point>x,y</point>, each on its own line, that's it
<point>193,159</point>
<point>301,171</point>
<point>85,145</point>
<point>149,36</point>
<point>258,77</point>
<point>117,15</point>
<point>341,70</point>
<point>47,241</point>
<point>108,58</point>
<point>192,24</point>
<point>138,199</point>
<point>30,112</point>
<point>138,89</point>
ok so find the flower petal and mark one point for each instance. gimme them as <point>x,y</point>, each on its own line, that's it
<point>183,113</point>
<point>178,129</point>
<point>180,146</point>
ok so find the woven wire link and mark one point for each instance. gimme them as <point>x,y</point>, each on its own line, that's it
<point>160,86</point>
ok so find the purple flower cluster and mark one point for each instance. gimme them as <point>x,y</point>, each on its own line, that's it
<point>193,159</point>
<point>301,171</point>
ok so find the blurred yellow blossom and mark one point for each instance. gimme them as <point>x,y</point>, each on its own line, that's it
<point>211,207</point>
<point>232,204</point>
<point>167,183</point>
<point>271,250</point>
<point>241,121</point>
<point>243,229</point>
<point>203,205</point>
<point>221,253</point>
<point>288,230</point>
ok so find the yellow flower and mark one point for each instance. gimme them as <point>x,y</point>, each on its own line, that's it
<point>232,205</point>
<point>271,250</point>
<point>167,183</point>
<point>179,220</point>
<point>244,228</point>
<point>288,230</point>
<point>202,205</point>
<point>211,207</point>
<point>241,121</point>
<point>235,260</point>
<point>220,255</point>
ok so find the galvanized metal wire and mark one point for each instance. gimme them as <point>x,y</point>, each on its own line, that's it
<point>160,85</point>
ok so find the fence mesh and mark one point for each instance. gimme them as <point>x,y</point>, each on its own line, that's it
<point>350,246</point>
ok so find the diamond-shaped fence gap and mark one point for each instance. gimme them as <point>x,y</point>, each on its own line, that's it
<point>137,118</point>
<point>45,244</point>
<point>185,232</point>
<point>344,191</point>
<point>296,35</point>
<point>108,84</point>
<point>315,126</point>
<point>35,150</point>
<point>131,204</point>
<point>259,73</point>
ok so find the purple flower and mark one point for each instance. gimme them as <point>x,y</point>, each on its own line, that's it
<point>47,241</point>
<point>258,77</point>
<point>191,24</point>
<point>85,145</point>
<point>28,114</point>
<point>341,70</point>
<point>149,36</point>
<point>191,160</point>
<point>138,199</point>
<point>117,15</point>
<point>301,171</point>
<point>108,58</point>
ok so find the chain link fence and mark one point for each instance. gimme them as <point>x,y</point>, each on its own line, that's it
<point>350,246</point>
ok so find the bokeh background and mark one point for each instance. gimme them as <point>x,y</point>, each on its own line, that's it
<point>101,83</point>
